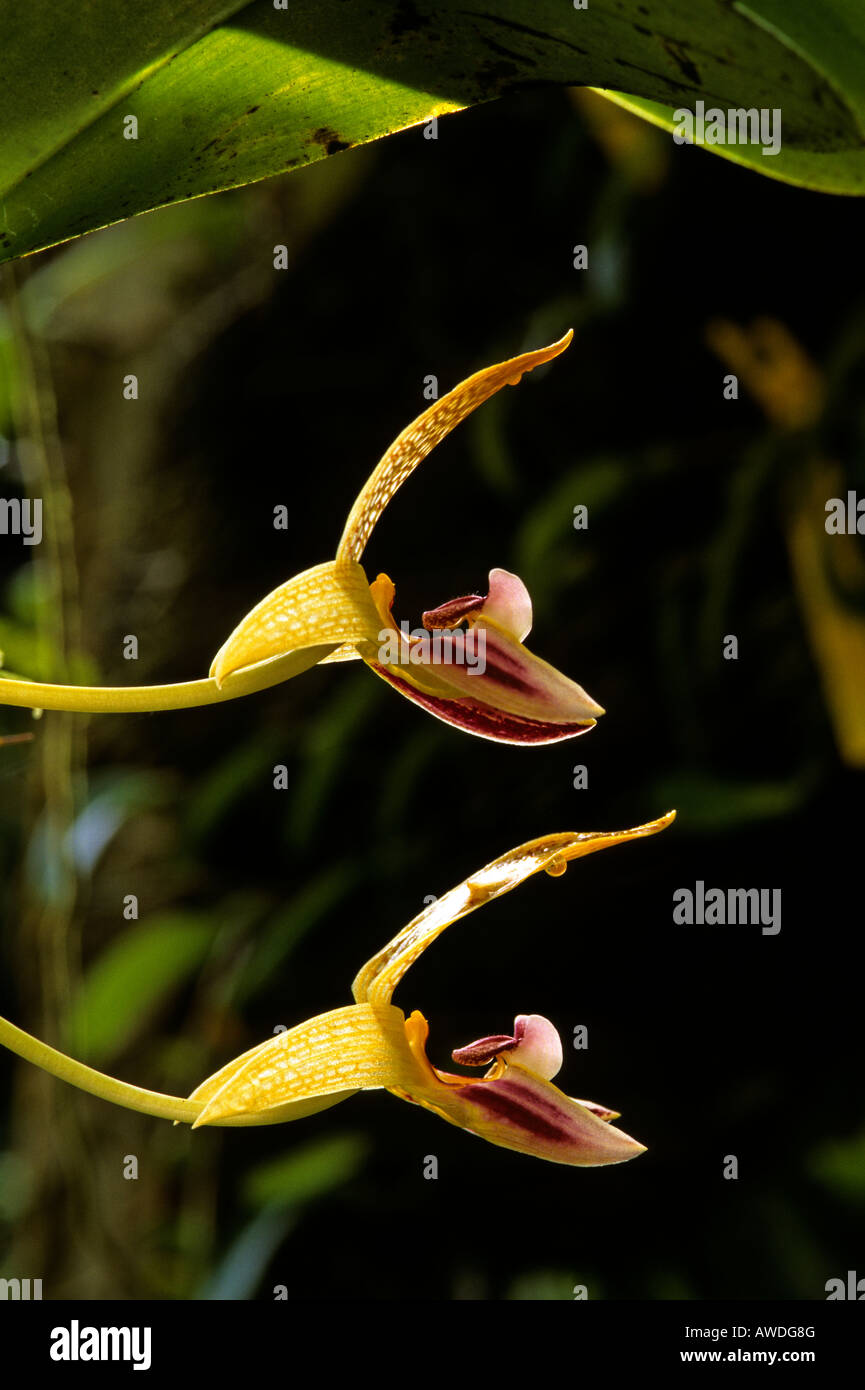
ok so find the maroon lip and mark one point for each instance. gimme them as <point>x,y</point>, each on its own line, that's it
<point>483,720</point>
<point>505,1100</point>
<point>504,670</point>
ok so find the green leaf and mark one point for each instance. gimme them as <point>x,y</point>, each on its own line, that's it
<point>544,1285</point>
<point>280,1189</point>
<point>298,1177</point>
<point>313,1171</point>
<point>839,1164</point>
<point>226,93</point>
<point>242,1268</point>
<point>831,36</point>
<point>710,804</point>
<point>132,976</point>
<point>549,555</point>
<point>278,936</point>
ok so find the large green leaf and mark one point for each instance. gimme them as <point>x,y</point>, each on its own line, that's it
<point>225,93</point>
<point>832,35</point>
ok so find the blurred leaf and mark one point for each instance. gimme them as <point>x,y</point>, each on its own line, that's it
<point>549,555</point>
<point>226,92</point>
<point>327,747</point>
<point>637,151</point>
<point>240,1271</point>
<point>490,447</point>
<point>669,1284</point>
<point>24,640</point>
<point>547,1286</point>
<point>773,365</point>
<point>279,935</point>
<point>114,798</point>
<point>16,1186</point>
<point>401,779</point>
<point>281,1188</point>
<point>132,976</point>
<point>8,384</point>
<point>244,767</point>
<point>309,1172</point>
<point>785,1229</point>
<point>709,803</point>
<point>839,1165</point>
<point>23,650</point>
<point>836,629</point>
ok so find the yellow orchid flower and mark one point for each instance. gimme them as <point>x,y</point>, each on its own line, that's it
<point>479,677</point>
<point>371,1044</point>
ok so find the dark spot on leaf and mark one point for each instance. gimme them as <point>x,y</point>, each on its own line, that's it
<point>330,140</point>
<point>687,67</point>
<point>250,110</point>
<point>641,29</point>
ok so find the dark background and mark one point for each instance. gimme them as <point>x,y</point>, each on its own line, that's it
<point>259,387</point>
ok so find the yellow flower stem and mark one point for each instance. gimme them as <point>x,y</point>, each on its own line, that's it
<point>106,699</point>
<point>96,1082</point>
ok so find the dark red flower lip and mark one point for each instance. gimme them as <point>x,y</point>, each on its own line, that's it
<point>484,720</point>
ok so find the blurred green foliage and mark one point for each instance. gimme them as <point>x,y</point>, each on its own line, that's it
<point>256,906</point>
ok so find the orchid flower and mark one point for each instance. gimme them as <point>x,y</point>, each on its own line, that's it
<point>371,1044</point>
<point>332,613</point>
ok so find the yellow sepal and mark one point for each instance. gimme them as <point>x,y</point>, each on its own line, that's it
<point>424,433</point>
<point>325,606</point>
<point>320,1062</point>
<point>376,981</point>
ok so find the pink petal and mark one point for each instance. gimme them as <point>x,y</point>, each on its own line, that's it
<point>539,1047</point>
<point>535,1045</point>
<point>508,604</point>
